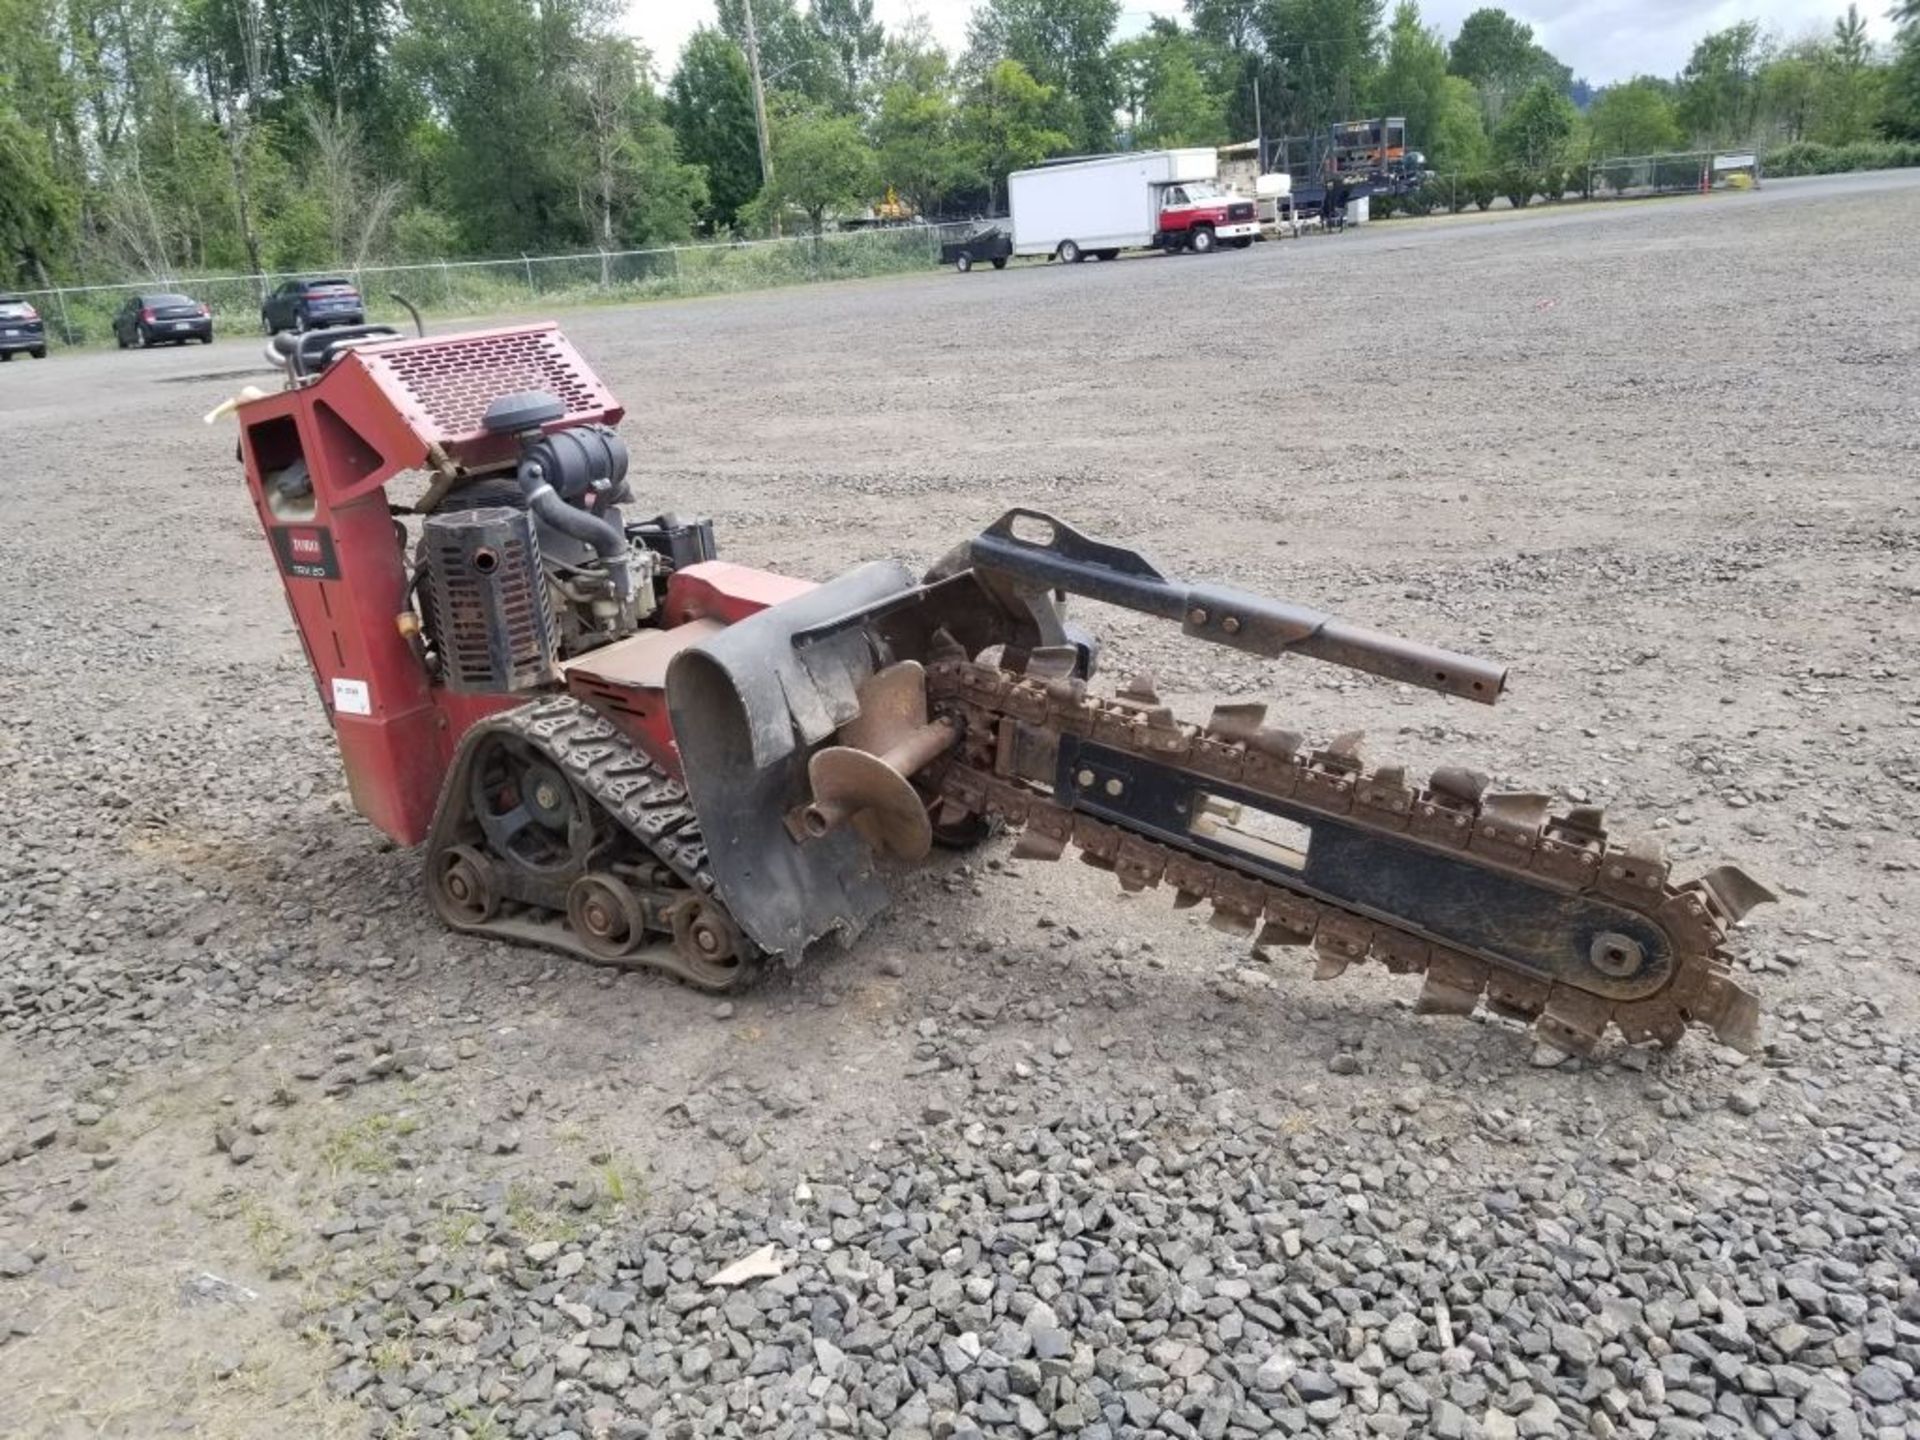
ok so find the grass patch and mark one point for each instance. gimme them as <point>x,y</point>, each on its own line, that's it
<point>368,1146</point>
<point>84,317</point>
<point>480,1424</point>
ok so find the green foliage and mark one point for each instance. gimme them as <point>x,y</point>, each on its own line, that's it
<point>34,207</point>
<point>172,138</point>
<point>796,55</point>
<point>852,37</point>
<point>1497,55</point>
<point>1459,141</point>
<point>1065,46</point>
<point>1517,183</point>
<point>1413,81</point>
<point>1808,157</point>
<point>917,134</point>
<point>1536,129</point>
<point>1168,99</point>
<point>1900,107</point>
<point>1326,60</point>
<point>1633,119</point>
<point>1005,122</point>
<point>710,106</point>
<point>820,163</point>
<point>1720,88</point>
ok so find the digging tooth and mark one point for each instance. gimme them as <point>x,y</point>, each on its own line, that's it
<point>1329,967</point>
<point>1733,1015</point>
<point>1237,721</point>
<point>1517,809</point>
<point>1568,851</point>
<point>1035,844</point>
<point>1588,819</point>
<point>1660,1025</point>
<point>1279,744</point>
<point>1458,784</point>
<point>1344,750</point>
<point>1573,1020</point>
<point>1452,986</point>
<point>1517,997</point>
<point>1648,849</point>
<point>1272,932</point>
<point>1139,690</point>
<point>1231,920</point>
<point>1734,891</point>
<point>1052,662</point>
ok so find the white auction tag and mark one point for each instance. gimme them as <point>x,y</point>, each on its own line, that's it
<point>352,697</point>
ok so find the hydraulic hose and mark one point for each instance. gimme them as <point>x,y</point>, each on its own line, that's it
<point>607,540</point>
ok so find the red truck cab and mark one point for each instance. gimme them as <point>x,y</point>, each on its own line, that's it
<point>1198,215</point>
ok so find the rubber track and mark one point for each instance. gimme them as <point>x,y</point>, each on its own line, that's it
<point>635,792</point>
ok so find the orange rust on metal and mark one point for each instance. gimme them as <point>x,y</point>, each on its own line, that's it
<point>1453,813</point>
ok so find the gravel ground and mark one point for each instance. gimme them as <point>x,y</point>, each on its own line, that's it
<point>280,1157</point>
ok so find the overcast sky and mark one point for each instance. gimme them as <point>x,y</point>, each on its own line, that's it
<point>1601,39</point>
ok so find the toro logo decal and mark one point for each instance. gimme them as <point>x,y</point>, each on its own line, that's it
<point>306,551</point>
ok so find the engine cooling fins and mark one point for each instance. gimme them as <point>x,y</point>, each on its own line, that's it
<point>1493,897</point>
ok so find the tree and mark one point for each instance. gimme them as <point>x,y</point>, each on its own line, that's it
<point>1536,128</point>
<point>1791,87</point>
<point>820,163</point>
<point>854,39</point>
<point>710,107</point>
<point>1064,46</point>
<point>794,53</point>
<point>1326,55</point>
<point>916,133</point>
<point>1719,89</point>
<point>1851,88</point>
<point>1459,143</point>
<point>1413,80</point>
<point>1900,113</point>
<point>635,190</point>
<point>505,74</point>
<point>1632,119</point>
<point>33,206</point>
<point>1167,99</point>
<point>1498,54</point>
<point>1004,120</point>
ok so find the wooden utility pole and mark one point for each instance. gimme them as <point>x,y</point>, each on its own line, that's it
<point>760,108</point>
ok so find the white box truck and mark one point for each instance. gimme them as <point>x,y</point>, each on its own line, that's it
<point>1145,199</point>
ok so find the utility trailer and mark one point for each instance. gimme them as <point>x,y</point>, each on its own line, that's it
<point>988,246</point>
<point>1145,199</point>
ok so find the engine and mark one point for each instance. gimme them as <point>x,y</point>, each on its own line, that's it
<point>517,572</point>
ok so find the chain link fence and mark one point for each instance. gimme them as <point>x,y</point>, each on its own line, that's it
<point>83,314</point>
<point>1616,178</point>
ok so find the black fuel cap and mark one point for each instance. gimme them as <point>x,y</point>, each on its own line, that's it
<point>522,410</point>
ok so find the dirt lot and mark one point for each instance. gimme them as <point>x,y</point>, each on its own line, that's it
<point>280,1157</point>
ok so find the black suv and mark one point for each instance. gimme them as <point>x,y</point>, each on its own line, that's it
<point>21,328</point>
<point>309,304</point>
<point>154,319</point>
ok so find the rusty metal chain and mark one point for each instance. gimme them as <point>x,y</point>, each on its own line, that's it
<point>1515,835</point>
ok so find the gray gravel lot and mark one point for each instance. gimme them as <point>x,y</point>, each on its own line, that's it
<point>280,1157</point>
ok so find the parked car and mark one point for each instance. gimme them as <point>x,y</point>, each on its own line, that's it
<point>21,328</point>
<point>311,303</point>
<point>162,317</point>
